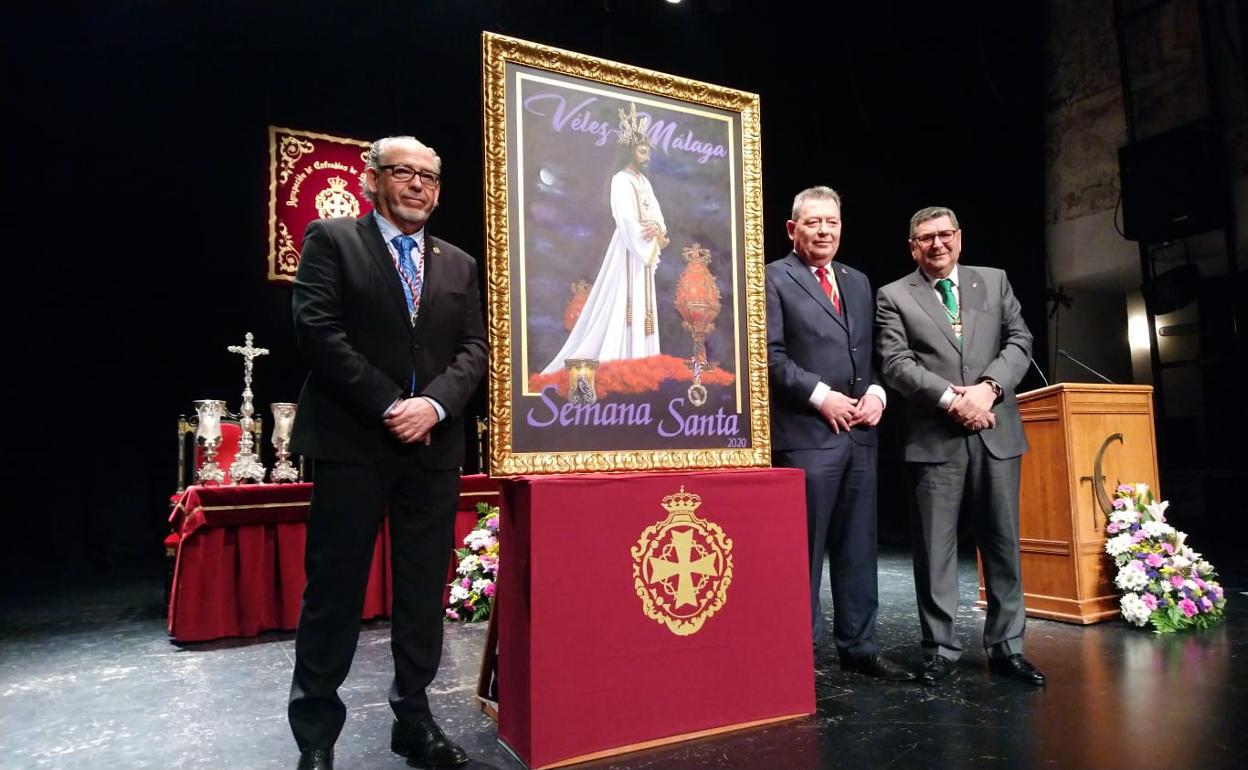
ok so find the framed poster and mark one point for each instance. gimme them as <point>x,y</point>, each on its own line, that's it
<point>311,176</point>
<point>625,267</point>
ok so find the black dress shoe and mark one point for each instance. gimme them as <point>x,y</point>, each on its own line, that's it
<point>1017,668</point>
<point>936,668</point>
<point>425,745</point>
<point>316,759</point>
<point>876,666</point>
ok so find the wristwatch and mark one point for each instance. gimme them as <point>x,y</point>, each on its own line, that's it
<point>996,388</point>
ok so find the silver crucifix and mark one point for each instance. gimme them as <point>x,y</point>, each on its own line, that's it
<point>246,465</point>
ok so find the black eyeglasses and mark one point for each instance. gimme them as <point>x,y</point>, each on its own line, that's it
<point>945,237</point>
<point>405,174</point>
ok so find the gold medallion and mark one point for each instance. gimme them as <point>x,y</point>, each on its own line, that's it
<point>682,566</point>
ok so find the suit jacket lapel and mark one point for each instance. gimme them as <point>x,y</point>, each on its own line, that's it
<point>804,278</point>
<point>379,253</point>
<point>432,278</point>
<point>846,286</point>
<point>974,299</point>
<point>923,293</point>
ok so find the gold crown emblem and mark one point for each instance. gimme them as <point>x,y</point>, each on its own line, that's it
<point>632,128</point>
<point>682,501</point>
<point>336,201</point>
<point>682,566</point>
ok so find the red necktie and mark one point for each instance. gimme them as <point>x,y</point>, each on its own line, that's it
<point>828,288</point>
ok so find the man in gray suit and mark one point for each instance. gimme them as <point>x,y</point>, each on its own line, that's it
<point>952,342</point>
<point>825,404</point>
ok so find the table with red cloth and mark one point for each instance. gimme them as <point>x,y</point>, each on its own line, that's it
<point>239,565</point>
<point>631,614</point>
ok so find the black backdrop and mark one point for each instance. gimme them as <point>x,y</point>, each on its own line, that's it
<point>136,186</point>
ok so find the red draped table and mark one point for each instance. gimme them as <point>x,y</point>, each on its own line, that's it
<point>631,614</point>
<point>239,568</point>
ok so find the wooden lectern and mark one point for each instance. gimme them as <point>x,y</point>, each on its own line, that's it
<point>1084,439</point>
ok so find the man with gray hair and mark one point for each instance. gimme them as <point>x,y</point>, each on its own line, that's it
<point>952,342</point>
<point>825,404</point>
<point>389,320</point>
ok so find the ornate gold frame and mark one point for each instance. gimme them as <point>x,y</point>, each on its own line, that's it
<point>497,52</point>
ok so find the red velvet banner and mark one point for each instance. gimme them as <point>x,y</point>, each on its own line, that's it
<point>311,176</point>
<point>637,609</point>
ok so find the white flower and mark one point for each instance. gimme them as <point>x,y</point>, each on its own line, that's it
<point>458,593</point>
<point>1203,568</point>
<point>479,585</point>
<point>468,564</point>
<point>479,540</point>
<point>1117,545</point>
<point>1134,609</point>
<point>1157,511</point>
<point>1141,490</point>
<point>1125,516</point>
<point>1131,577</point>
<point>1180,562</point>
<point>1156,528</point>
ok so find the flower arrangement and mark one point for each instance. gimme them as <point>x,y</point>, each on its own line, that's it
<point>1164,582</point>
<point>634,375</point>
<point>472,592</point>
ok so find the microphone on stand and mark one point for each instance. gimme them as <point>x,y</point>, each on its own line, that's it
<point>1039,371</point>
<point>1064,354</point>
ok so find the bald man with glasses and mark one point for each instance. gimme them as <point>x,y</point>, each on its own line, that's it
<point>389,320</point>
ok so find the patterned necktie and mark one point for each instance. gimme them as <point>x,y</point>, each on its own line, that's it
<point>829,288</point>
<point>945,287</point>
<point>411,272</point>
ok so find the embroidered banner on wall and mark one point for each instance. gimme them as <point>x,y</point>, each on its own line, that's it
<point>311,176</point>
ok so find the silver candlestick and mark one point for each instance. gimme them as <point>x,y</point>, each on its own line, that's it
<point>283,421</point>
<point>246,465</point>
<point>208,436</point>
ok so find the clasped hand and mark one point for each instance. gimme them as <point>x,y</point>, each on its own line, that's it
<point>651,231</point>
<point>972,406</point>
<point>842,412</point>
<point>411,420</point>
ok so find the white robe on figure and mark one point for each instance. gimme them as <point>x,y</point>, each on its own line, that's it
<point>602,332</point>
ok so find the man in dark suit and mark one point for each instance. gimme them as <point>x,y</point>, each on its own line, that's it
<point>825,404</point>
<point>389,319</point>
<point>952,342</point>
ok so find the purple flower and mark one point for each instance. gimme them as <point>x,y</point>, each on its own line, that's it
<point>451,613</point>
<point>1202,585</point>
<point>1150,601</point>
<point>1176,581</point>
<point>488,590</point>
<point>1205,604</point>
<point>1112,528</point>
<point>1155,560</point>
<point>1188,607</point>
<point>1119,504</point>
<point>466,582</point>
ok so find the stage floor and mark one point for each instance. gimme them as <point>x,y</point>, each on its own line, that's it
<point>89,679</point>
